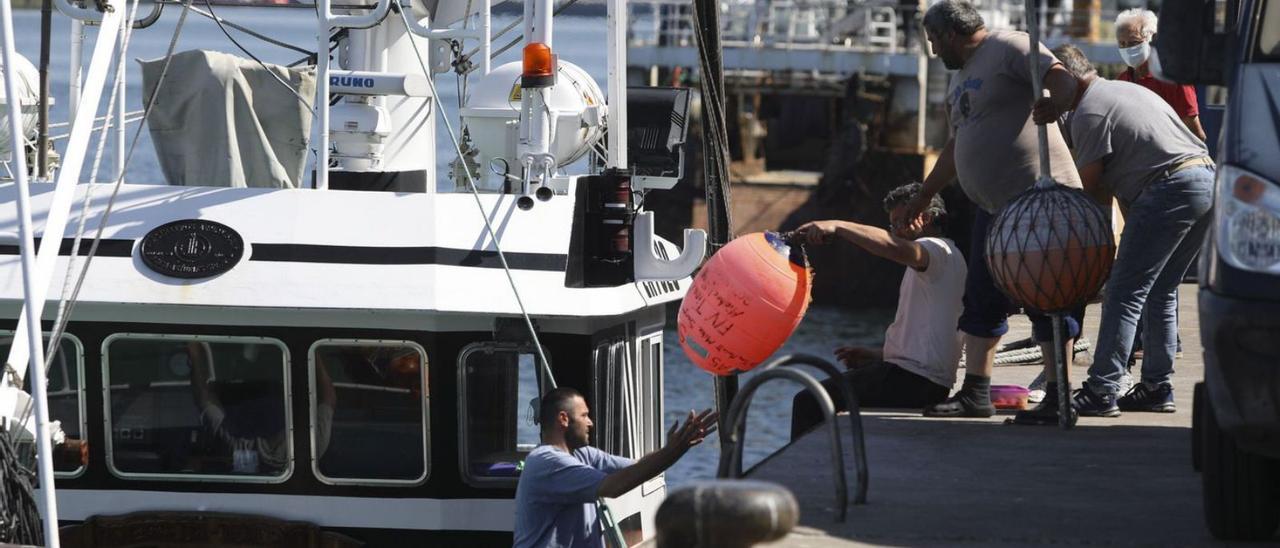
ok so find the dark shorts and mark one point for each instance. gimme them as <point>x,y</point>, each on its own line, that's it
<point>987,309</point>
<point>879,384</point>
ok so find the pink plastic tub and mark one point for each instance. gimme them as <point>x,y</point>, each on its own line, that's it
<point>1008,396</point>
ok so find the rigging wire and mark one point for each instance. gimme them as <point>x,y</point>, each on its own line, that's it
<point>507,29</point>
<point>471,184</point>
<point>131,118</point>
<point>264,66</point>
<point>220,20</point>
<point>60,324</point>
<point>116,86</point>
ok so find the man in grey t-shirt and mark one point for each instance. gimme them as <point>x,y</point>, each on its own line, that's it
<point>993,151</point>
<point>1130,143</point>
<point>563,477</point>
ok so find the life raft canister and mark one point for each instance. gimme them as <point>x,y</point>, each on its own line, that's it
<point>744,303</point>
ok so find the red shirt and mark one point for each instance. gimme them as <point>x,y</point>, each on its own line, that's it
<point>1181,97</point>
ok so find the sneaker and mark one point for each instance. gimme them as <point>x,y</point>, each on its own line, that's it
<point>1144,398</point>
<point>963,404</point>
<point>1126,384</point>
<point>1092,404</point>
<point>1045,414</point>
<point>1035,390</point>
<point>1035,395</point>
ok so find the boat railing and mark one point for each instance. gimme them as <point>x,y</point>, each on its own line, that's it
<point>877,26</point>
<point>735,423</point>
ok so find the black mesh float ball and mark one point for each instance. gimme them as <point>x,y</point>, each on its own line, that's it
<point>1050,249</point>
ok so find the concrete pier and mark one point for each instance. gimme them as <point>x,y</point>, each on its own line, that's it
<point>978,482</point>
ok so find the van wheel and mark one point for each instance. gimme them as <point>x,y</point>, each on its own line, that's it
<point>1240,489</point>
<point>1198,398</point>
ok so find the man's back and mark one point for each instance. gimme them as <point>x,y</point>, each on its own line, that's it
<point>923,337</point>
<point>1133,132</point>
<point>555,500</point>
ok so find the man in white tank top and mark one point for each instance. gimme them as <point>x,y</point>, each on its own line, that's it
<point>917,365</point>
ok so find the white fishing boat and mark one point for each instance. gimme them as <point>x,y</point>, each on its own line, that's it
<point>255,354</point>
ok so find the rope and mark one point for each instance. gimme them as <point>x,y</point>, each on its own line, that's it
<point>60,325</point>
<point>217,19</point>
<point>20,521</point>
<point>471,184</point>
<point>63,304</point>
<point>272,73</point>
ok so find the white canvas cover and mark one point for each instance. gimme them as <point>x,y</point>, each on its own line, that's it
<point>221,120</point>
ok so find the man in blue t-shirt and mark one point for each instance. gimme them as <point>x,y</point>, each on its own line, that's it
<point>563,477</point>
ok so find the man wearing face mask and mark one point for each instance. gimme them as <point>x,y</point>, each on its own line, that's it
<point>1135,29</point>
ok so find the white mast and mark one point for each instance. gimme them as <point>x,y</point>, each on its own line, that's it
<point>44,449</point>
<point>617,66</point>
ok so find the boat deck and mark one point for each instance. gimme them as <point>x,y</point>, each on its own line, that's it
<point>937,482</point>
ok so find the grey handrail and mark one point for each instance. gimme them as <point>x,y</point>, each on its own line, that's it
<point>68,8</point>
<point>731,455</point>
<point>855,414</point>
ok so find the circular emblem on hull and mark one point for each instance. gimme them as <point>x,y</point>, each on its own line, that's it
<point>192,249</point>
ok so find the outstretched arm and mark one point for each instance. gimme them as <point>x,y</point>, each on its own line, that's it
<point>943,172</point>
<point>679,440</point>
<point>876,241</point>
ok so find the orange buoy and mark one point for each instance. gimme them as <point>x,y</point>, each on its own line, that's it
<point>744,303</point>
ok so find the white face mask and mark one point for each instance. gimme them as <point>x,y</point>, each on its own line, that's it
<point>1136,55</point>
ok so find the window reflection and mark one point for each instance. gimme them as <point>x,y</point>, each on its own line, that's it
<point>63,390</point>
<point>197,406</point>
<point>502,391</point>
<point>369,411</point>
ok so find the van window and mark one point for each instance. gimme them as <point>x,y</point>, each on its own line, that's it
<point>66,400</point>
<point>197,407</point>
<point>369,411</point>
<point>1269,32</point>
<point>501,384</point>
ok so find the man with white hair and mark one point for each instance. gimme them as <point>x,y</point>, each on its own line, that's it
<point>1135,29</point>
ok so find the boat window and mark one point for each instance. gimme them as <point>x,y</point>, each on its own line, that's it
<point>612,368</point>
<point>66,400</point>
<point>369,411</point>
<point>197,407</point>
<point>629,398</point>
<point>651,393</point>
<point>501,385</point>
<point>1269,33</point>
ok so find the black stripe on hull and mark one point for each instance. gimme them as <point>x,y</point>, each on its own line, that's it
<point>397,538</point>
<point>341,254</point>
<point>345,254</point>
<point>106,248</point>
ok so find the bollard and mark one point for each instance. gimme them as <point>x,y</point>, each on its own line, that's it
<point>726,514</point>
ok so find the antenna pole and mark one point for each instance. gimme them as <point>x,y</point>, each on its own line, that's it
<point>617,61</point>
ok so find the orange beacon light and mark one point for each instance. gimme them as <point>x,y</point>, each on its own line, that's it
<point>539,66</point>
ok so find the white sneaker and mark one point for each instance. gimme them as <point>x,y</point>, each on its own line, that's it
<point>1035,390</point>
<point>1035,396</point>
<point>1126,383</point>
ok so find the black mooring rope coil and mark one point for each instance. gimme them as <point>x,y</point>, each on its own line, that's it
<point>19,514</point>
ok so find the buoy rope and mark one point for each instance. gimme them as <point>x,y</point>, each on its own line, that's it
<point>488,226</point>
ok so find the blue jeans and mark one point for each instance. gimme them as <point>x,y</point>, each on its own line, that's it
<point>1164,228</point>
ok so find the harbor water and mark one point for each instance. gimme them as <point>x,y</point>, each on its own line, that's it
<point>578,40</point>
